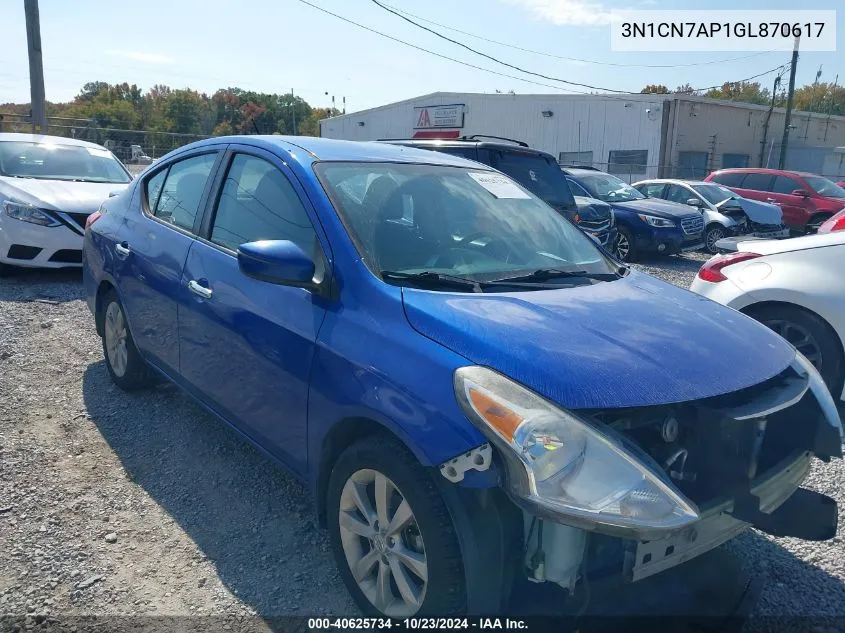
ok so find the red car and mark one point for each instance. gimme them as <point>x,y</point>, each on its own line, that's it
<point>807,200</point>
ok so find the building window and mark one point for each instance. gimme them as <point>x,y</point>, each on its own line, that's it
<point>575,158</point>
<point>692,165</point>
<point>627,161</point>
<point>734,161</point>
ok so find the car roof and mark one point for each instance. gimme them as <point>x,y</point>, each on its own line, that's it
<point>46,138</point>
<point>764,170</point>
<point>435,143</point>
<point>308,149</point>
<point>676,181</point>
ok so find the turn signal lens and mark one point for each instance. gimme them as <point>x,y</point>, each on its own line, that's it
<point>93,218</point>
<point>497,415</point>
<point>712,270</point>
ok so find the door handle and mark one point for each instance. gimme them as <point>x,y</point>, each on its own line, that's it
<point>122,249</point>
<point>199,290</point>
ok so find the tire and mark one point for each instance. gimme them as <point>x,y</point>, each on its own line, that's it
<point>430,532</point>
<point>624,240</point>
<point>125,365</point>
<point>822,348</point>
<point>815,222</point>
<point>714,233</point>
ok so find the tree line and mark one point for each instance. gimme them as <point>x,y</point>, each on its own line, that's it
<point>823,97</point>
<point>184,111</point>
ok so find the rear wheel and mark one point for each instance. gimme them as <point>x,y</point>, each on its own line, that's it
<point>715,232</point>
<point>811,336</point>
<point>623,247</point>
<point>124,363</point>
<point>392,536</point>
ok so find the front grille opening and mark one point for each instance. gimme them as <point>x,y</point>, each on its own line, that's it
<point>67,256</point>
<point>19,251</point>
<point>79,218</point>
<point>707,453</point>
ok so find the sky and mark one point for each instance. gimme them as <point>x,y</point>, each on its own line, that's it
<point>283,45</point>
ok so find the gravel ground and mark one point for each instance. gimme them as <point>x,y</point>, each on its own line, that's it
<point>144,504</point>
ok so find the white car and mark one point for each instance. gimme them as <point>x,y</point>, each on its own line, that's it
<point>725,212</point>
<point>49,185</point>
<point>793,286</point>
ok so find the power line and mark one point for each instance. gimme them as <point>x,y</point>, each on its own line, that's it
<point>528,72</point>
<point>494,59</point>
<point>425,50</point>
<point>574,59</point>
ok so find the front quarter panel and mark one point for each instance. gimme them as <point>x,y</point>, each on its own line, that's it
<point>371,365</point>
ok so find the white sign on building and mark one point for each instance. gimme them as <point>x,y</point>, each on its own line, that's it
<point>428,117</point>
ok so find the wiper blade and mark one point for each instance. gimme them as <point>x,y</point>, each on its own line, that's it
<point>433,279</point>
<point>546,274</point>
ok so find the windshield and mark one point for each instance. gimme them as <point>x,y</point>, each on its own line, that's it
<point>540,175</point>
<point>825,187</point>
<point>714,194</point>
<point>475,224</point>
<point>609,188</point>
<point>48,161</point>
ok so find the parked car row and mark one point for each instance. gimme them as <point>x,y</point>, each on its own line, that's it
<point>430,344</point>
<point>807,200</point>
<point>437,353</point>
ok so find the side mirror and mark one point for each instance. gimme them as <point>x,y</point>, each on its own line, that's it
<point>277,262</point>
<point>694,202</point>
<point>801,193</point>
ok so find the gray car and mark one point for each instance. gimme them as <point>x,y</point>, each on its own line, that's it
<point>725,212</point>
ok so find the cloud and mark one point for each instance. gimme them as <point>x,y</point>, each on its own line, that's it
<point>570,12</point>
<point>149,58</point>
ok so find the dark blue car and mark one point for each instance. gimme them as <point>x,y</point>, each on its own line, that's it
<point>645,225</point>
<point>437,354</point>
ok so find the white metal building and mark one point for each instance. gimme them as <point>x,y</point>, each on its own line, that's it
<point>635,136</point>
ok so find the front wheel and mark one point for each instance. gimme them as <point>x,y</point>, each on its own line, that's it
<point>623,247</point>
<point>714,233</point>
<point>392,536</point>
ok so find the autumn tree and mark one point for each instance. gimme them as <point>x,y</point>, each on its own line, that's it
<point>655,89</point>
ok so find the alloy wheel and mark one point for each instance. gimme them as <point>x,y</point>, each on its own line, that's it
<point>801,339</point>
<point>382,543</point>
<point>622,247</point>
<point>115,335</point>
<point>713,236</point>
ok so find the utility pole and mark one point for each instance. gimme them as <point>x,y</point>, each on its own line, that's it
<point>36,66</point>
<point>830,106</point>
<point>769,118</point>
<point>789,98</point>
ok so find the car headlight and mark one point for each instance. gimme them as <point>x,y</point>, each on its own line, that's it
<point>568,466</point>
<point>29,213</point>
<point>655,221</point>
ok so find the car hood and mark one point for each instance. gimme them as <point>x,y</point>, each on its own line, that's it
<point>59,195</point>
<point>655,206</point>
<point>759,212</point>
<point>632,342</point>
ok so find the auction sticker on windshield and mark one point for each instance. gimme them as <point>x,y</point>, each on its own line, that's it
<point>499,186</point>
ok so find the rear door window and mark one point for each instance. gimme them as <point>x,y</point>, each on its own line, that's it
<point>756,182</point>
<point>537,173</point>
<point>729,179</point>
<point>177,199</point>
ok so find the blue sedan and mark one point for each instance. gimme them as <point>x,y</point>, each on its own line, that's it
<point>437,354</point>
<point>645,225</point>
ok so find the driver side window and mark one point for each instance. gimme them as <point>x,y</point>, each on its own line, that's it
<point>676,193</point>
